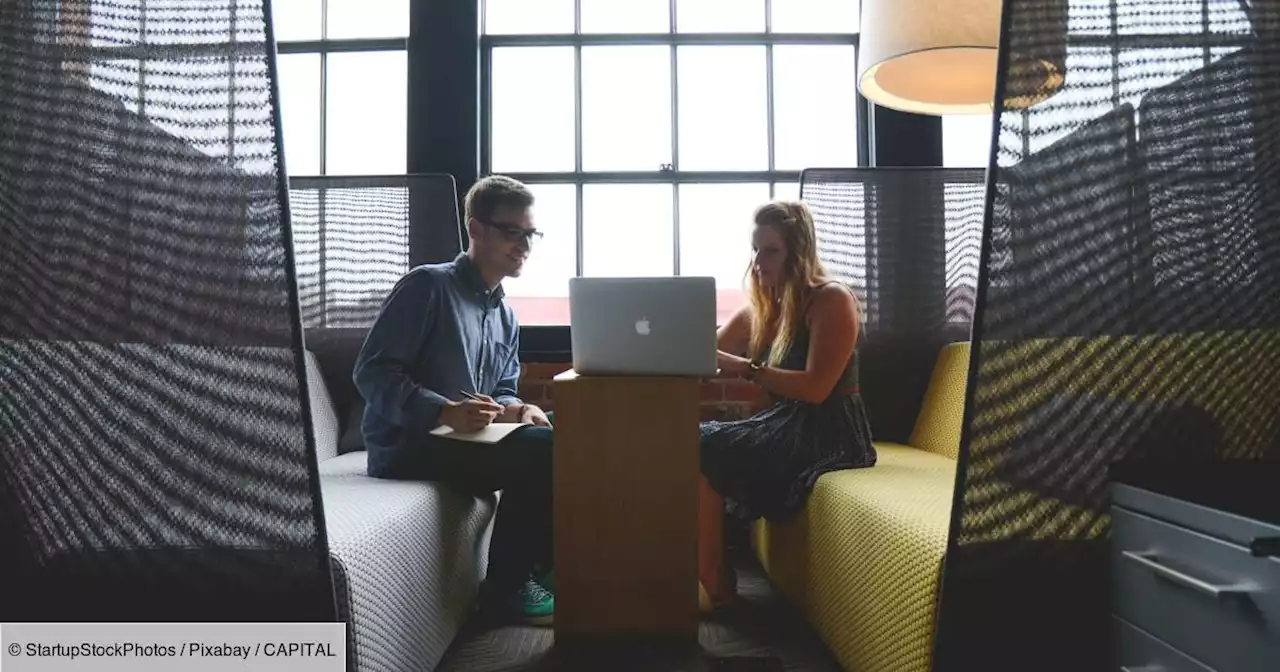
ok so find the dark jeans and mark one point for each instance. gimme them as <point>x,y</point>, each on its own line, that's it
<point>519,466</point>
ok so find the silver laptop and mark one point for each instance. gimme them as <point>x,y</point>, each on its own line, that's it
<point>643,326</point>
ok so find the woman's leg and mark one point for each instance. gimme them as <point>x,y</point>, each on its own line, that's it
<point>713,571</point>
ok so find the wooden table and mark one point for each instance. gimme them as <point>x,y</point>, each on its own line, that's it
<point>626,508</point>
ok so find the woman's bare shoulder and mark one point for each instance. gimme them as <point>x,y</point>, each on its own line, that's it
<point>833,299</point>
<point>742,315</point>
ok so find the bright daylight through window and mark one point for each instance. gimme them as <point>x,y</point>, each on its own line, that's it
<point>649,135</point>
<point>966,140</point>
<point>342,72</point>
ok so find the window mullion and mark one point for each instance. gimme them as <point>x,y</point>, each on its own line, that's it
<point>675,147</point>
<point>768,103</point>
<point>579,187</point>
<point>324,87</point>
<point>324,111</point>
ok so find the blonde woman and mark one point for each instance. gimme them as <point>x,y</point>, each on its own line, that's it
<point>796,338</point>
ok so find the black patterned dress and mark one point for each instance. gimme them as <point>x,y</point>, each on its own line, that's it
<point>765,465</point>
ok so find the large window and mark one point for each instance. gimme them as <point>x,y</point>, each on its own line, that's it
<point>342,72</point>
<point>342,68</point>
<point>650,129</point>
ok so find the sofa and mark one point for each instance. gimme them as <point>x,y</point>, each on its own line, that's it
<point>863,560</point>
<point>407,557</point>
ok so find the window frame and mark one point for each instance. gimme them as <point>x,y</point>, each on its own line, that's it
<point>325,46</point>
<point>673,176</point>
<point>143,51</point>
<point>551,343</point>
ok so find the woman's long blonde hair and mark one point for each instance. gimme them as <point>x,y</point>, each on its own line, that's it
<point>783,306</point>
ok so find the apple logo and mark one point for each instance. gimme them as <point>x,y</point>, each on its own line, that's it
<point>642,326</point>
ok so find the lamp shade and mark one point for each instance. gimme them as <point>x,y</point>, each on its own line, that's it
<point>940,56</point>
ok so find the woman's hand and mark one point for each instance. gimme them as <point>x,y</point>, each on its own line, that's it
<point>731,365</point>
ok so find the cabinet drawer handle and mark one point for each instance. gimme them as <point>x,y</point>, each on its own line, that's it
<point>1185,580</point>
<point>1144,668</point>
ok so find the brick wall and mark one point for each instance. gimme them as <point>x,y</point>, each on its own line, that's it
<point>722,398</point>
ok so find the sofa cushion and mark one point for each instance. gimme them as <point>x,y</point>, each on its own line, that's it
<point>941,417</point>
<point>347,464</point>
<point>872,547</point>
<point>336,350</point>
<point>407,559</point>
<point>324,420</point>
<point>352,438</point>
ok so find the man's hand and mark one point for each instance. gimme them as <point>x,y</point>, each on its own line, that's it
<point>469,415</point>
<point>532,415</point>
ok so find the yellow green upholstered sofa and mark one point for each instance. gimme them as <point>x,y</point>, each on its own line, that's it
<point>863,560</point>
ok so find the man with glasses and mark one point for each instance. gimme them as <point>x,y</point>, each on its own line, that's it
<point>444,350</point>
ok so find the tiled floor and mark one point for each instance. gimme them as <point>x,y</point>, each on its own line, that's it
<point>760,634</point>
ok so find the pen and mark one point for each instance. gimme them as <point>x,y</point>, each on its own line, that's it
<point>472,397</point>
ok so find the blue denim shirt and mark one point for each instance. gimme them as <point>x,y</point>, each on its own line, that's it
<point>439,332</point>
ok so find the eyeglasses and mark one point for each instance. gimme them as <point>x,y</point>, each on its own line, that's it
<point>515,233</point>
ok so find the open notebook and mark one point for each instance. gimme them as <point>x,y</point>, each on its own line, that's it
<point>494,433</point>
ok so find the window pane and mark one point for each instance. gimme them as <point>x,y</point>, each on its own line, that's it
<point>627,16</point>
<point>528,17</point>
<point>178,22</point>
<point>110,24</point>
<point>815,107</point>
<point>368,18</point>
<point>541,294</point>
<point>1162,17</point>
<point>715,236</point>
<point>626,108</point>
<point>816,16</point>
<point>720,16</point>
<point>366,113</point>
<point>121,79</point>
<point>723,110</point>
<point>1142,71</point>
<point>966,140</point>
<point>1088,97</point>
<point>1089,17</point>
<point>296,19</point>
<point>786,191</point>
<point>173,84</point>
<point>300,111</point>
<point>627,230</point>
<point>531,113</point>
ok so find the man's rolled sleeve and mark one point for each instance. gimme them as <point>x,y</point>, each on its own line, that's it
<point>382,368</point>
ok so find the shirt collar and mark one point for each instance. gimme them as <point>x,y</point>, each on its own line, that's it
<point>471,277</point>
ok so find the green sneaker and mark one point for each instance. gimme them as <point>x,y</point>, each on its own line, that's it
<point>537,603</point>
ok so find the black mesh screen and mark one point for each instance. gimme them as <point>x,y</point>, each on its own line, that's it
<point>356,236</point>
<point>1129,309</point>
<point>155,452</point>
<point>908,241</point>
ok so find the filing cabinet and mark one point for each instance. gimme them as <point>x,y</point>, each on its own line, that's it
<point>1193,587</point>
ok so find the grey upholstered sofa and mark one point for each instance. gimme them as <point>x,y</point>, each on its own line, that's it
<point>407,556</point>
